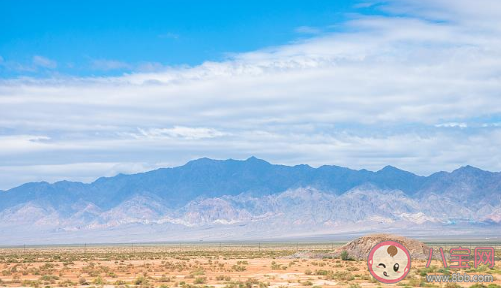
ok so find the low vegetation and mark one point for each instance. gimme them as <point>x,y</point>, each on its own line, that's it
<point>204,267</point>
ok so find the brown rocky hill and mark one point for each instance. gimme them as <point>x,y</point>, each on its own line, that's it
<point>360,248</point>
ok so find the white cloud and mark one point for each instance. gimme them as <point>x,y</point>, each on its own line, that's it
<point>16,144</point>
<point>180,132</point>
<point>150,67</point>
<point>378,92</point>
<point>44,62</point>
<point>108,65</point>
<point>452,125</point>
<point>496,124</point>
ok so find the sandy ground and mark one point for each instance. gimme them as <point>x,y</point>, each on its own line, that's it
<point>207,267</point>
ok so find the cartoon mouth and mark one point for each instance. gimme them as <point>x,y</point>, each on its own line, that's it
<point>385,274</point>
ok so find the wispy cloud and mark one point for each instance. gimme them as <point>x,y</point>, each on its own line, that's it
<point>497,124</point>
<point>180,132</point>
<point>364,4</point>
<point>452,125</point>
<point>150,67</point>
<point>107,65</point>
<point>44,62</point>
<point>37,63</point>
<point>17,144</point>
<point>308,30</point>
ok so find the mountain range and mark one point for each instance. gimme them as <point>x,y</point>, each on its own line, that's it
<point>209,199</point>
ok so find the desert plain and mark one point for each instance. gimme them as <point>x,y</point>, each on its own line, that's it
<point>204,265</point>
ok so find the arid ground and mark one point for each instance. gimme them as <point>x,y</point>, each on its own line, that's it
<point>202,265</point>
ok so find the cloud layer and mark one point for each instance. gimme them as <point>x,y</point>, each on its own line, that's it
<point>417,87</point>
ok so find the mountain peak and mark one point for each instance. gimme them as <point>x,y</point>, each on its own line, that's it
<point>469,169</point>
<point>392,169</point>
<point>254,159</point>
<point>206,160</point>
<point>389,168</point>
<point>203,160</point>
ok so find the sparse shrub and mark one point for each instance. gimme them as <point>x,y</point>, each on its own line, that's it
<point>444,271</point>
<point>120,282</point>
<point>28,283</point>
<point>200,280</point>
<point>16,279</point>
<point>223,278</point>
<point>66,283</point>
<point>275,266</point>
<point>49,279</point>
<point>83,281</point>
<point>416,282</point>
<point>99,281</point>
<point>141,280</point>
<point>238,268</point>
<point>197,272</point>
<point>322,272</point>
<point>343,276</point>
<point>425,271</point>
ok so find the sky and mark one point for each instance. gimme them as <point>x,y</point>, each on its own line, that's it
<point>90,89</point>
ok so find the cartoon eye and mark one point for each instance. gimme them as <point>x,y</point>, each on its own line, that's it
<point>381,264</point>
<point>395,267</point>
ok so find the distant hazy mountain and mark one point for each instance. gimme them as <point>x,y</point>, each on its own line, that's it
<point>251,199</point>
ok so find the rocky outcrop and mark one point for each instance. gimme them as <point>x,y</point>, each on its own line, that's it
<point>361,247</point>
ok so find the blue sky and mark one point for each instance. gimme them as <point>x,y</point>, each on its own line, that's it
<point>88,90</point>
<point>113,37</point>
